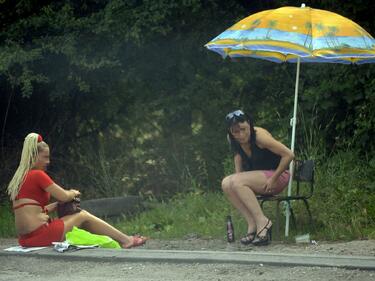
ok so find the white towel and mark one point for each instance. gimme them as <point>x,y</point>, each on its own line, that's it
<point>23,249</point>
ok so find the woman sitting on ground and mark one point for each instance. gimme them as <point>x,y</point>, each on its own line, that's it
<point>261,164</point>
<point>30,190</point>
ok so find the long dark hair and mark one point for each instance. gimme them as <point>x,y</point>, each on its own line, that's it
<point>245,117</point>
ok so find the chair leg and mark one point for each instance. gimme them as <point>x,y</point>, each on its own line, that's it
<point>277,224</point>
<point>309,212</point>
<point>292,215</point>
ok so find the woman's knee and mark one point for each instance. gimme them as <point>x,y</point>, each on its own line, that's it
<point>85,215</point>
<point>227,184</point>
<point>76,219</point>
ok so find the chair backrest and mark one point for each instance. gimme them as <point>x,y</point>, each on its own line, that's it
<point>304,172</point>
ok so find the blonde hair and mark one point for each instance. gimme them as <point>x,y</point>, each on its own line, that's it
<point>30,150</point>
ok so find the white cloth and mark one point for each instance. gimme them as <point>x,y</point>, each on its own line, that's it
<point>23,249</point>
<point>65,246</point>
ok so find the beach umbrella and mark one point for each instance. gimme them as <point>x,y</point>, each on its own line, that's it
<point>296,34</point>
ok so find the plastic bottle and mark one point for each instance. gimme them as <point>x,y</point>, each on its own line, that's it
<point>230,230</point>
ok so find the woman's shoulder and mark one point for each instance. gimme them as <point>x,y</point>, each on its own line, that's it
<point>36,172</point>
<point>263,137</point>
<point>261,131</point>
<point>40,177</point>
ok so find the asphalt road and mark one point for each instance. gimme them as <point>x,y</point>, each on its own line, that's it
<point>191,260</point>
<point>143,264</point>
<point>42,268</point>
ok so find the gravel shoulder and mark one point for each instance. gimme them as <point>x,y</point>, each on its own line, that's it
<point>35,269</point>
<point>355,248</point>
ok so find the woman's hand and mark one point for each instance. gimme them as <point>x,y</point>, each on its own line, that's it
<point>270,185</point>
<point>75,193</point>
<point>44,217</point>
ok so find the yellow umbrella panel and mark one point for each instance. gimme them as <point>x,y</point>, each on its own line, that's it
<point>313,35</point>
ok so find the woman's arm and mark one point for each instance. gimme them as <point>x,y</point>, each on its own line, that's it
<point>237,163</point>
<point>51,207</point>
<point>265,140</point>
<point>61,194</point>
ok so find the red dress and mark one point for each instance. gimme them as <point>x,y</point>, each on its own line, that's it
<point>36,181</point>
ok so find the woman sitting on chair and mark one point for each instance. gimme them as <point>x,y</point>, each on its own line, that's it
<point>261,164</point>
<point>30,190</point>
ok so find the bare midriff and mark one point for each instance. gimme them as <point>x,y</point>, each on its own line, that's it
<point>28,217</point>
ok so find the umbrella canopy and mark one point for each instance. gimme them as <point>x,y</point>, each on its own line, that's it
<point>293,34</point>
<point>288,33</point>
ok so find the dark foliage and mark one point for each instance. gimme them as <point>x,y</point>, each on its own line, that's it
<point>130,100</point>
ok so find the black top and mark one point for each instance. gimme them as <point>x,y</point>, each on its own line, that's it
<point>261,158</point>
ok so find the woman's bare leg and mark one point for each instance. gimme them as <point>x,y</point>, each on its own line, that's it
<point>95,225</point>
<point>246,185</point>
<point>227,186</point>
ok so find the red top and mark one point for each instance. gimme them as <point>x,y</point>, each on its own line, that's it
<point>36,181</point>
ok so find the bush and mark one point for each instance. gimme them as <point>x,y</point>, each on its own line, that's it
<point>343,202</point>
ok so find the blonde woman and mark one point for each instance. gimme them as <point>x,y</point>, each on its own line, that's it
<point>30,190</point>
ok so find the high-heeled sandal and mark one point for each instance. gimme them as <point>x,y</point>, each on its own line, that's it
<point>264,240</point>
<point>248,239</point>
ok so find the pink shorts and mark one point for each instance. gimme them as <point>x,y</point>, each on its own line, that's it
<point>281,182</point>
<point>43,235</point>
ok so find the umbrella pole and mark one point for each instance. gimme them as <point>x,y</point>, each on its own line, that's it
<point>291,165</point>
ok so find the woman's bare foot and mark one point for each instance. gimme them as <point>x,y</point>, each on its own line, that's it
<point>136,241</point>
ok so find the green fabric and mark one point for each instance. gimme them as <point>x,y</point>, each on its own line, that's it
<point>79,236</point>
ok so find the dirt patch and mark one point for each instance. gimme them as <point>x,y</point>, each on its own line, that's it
<point>356,248</point>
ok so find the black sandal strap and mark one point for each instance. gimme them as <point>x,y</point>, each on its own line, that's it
<point>265,227</point>
<point>249,238</point>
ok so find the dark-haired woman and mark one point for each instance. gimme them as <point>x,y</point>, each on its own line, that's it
<point>30,190</point>
<point>261,167</point>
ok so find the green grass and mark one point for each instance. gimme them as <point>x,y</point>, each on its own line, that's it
<point>204,215</point>
<point>194,213</point>
<point>7,228</point>
<point>342,207</point>
<point>343,203</point>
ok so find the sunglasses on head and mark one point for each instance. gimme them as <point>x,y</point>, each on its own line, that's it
<point>236,113</point>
